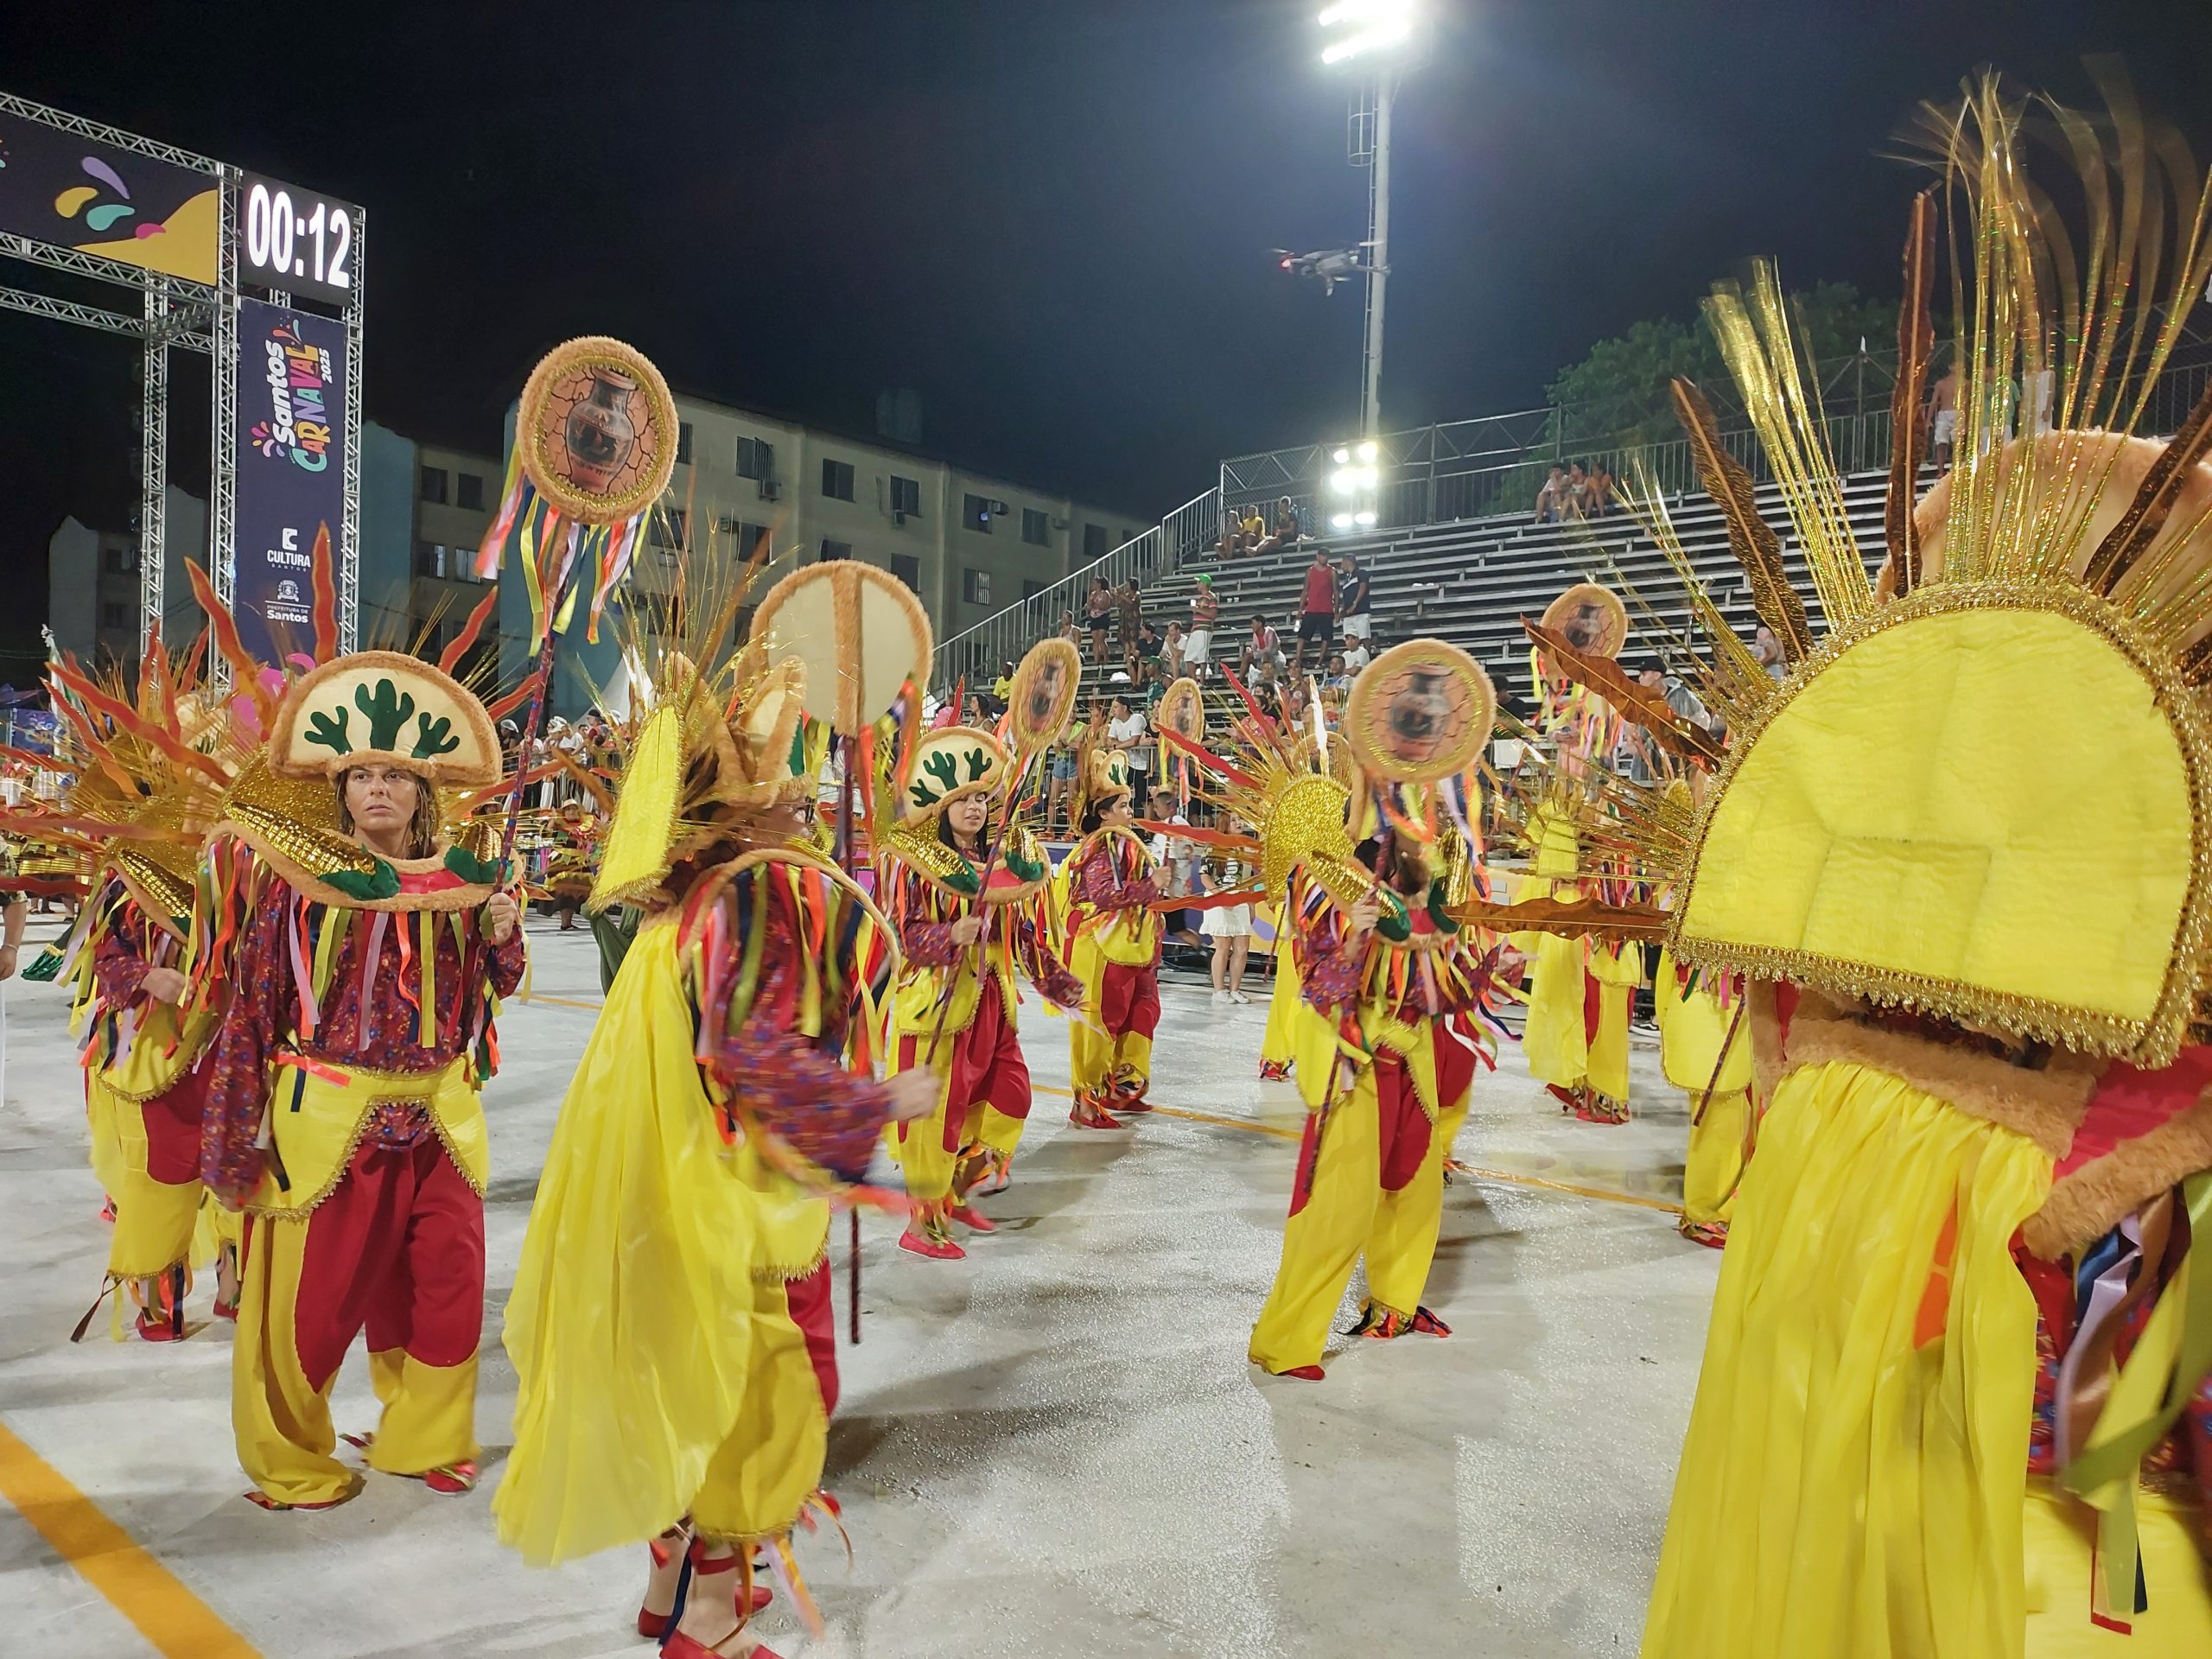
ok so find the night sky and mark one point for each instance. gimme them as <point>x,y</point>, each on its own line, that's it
<point>1049,219</point>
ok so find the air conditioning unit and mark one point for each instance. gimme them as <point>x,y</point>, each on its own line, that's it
<point>898,517</point>
<point>770,489</point>
<point>1060,523</point>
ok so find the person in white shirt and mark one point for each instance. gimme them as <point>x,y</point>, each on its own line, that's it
<point>1126,730</point>
<point>1356,655</point>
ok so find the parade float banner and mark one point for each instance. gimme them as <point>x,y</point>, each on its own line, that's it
<point>70,191</point>
<point>291,470</point>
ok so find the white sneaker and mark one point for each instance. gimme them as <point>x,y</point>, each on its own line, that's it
<point>1239,996</point>
<point>1221,996</point>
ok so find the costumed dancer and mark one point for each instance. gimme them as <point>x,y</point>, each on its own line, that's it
<point>1581,990</point>
<point>1389,1035</point>
<point>673,1293</point>
<point>356,959</point>
<point>1705,1048</point>
<point>147,764</point>
<point>1113,939</point>
<point>1961,853</point>
<point>968,923</point>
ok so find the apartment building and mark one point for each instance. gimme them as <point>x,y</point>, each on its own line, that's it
<point>967,543</point>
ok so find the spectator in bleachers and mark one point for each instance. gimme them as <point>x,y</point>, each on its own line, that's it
<point>1261,646</point>
<point>1197,648</point>
<point>1574,504</point>
<point>1059,771</point>
<point>1131,610</point>
<point>1943,416</point>
<point>1002,688</point>
<point>1768,650</point>
<point>1149,643</point>
<point>1232,535</point>
<point>1171,651</point>
<point>1285,530</point>
<point>1126,730</point>
<point>1255,528</point>
<point>1355,598</point>
<point>1098,618</point>
<point>1317,612</point>
<point>1339,676</point>
<point>1067,629</point>
<point>1551,497</point>
<point>1356,655</point>
<point>1602,486</point>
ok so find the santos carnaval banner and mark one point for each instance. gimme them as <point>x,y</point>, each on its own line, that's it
<point>291,470</point>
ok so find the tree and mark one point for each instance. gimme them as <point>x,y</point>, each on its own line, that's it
<point>1618,394</point>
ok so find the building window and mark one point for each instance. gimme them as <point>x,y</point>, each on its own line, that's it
<point>744,538</point>
<point>670,528</point>
<point>908,569</point>
<point>836,550</point>
<point>115,615</point>
<point>755,459</point>
<point>837,480</point>
<point>1036,528</point>
<point>468,491</point>
<point>906,496</point>
<point>1094,543</point>
<point>683,443</point>
<point>429,559</point>
<point>976,586</point>
<point>434,484</point>
<point>1031,589</point>
<point>976,512</point>
<point>115,557</point>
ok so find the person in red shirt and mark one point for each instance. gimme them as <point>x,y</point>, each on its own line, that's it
<point>1317,620</point>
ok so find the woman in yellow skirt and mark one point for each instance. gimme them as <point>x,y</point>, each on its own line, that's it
<point>672,1297</point>
<point>1705,1048</point>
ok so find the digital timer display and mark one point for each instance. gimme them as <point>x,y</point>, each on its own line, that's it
<point>297,240</point>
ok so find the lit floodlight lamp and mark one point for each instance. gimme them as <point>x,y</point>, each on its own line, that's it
<point>1343,481</point>
<point>1368,452</point>
<point>1365,519</point>
<point>1367,478</point>
<point>1341,456</point>
<point>1376,25</point>
<point>1341,521</point>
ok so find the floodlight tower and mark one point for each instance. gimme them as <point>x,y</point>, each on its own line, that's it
<point>1377,35</point>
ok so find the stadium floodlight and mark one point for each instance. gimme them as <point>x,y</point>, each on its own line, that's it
<point>1343,481</point>
<point>1342,455</point>
<point>1368,453</point>
<point>1341,521</point>
<point>1376,25</point>
<point>1364,517</point>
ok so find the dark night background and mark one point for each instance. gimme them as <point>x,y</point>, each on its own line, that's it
<point>1050,219</point>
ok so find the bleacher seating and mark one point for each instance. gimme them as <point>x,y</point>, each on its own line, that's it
<point>1471,581</point>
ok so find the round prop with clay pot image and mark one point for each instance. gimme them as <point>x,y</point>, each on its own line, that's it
<point>1045,687</point>
<point>1183,711</point>
<point>596,432</point>
<point>1420,711</point>
<point>1590,618</point>
<point>860,631</point>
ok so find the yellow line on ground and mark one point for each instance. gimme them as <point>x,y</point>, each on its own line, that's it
<point>562,1002</point>
<point>1283,1132</point>
<point>177,1623</point>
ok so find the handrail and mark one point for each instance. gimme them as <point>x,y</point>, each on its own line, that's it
<point>1002,635</point>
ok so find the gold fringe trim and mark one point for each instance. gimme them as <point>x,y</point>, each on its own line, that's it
<point>769,1274</point>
